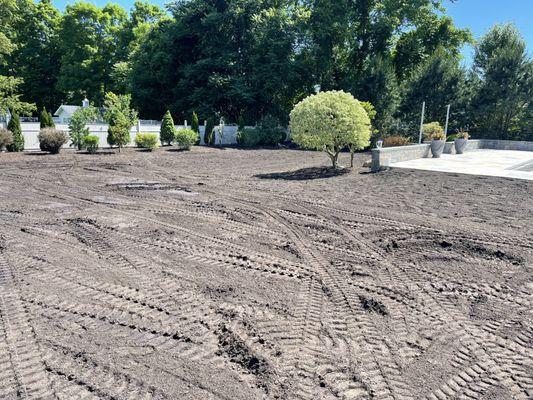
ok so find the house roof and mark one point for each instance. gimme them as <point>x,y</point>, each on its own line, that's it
<point>66,109</point>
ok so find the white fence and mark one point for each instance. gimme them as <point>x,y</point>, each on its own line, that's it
<point>30,130</point>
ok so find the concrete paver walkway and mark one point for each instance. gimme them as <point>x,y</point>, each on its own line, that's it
<point>506,163</point>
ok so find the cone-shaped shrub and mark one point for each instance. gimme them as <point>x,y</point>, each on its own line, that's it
<point>195,126</point>
<point>45,119</point>
<point>166,135</point>
<point>209,137</point>
<point>18,138</point>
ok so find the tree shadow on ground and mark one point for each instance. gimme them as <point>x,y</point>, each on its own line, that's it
<point>305,174</point>
<point>38,153</point>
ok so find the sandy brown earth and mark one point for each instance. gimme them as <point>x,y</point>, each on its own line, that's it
<point>227,274</point>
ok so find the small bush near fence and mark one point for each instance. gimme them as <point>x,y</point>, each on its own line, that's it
<point>51,140</point>
<point>185,138</point>
<point>6,138</point>
<point>91,142</point>
<point>268,132</point>
<point>395,141</point>
<point>249,137</point>
<point>146,140</point>
<point>271,131</point>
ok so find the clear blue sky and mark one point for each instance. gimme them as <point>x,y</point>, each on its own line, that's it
<point>478,15</point>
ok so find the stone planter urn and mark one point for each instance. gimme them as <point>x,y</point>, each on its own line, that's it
<point>437,147</point>
<point>460,145</point>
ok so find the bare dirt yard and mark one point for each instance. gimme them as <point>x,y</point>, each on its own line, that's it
<point>230,274</point>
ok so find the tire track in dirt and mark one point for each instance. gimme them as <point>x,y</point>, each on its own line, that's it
<point>21,364</point>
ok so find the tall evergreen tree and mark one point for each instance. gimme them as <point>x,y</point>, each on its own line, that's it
<point>502,102</point>
<point>195,123</point>
<point>168,131</point>
<point>438,82</point>
<point>46,120</point>
<point>18,137</point>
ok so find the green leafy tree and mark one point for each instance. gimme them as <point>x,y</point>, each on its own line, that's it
<point>439,81</point>
<point>502,104</point>
<point>78,130</point>
<point>168,129</point>
<point>18,137</point>
<point>120,117</point>
<point>10,96</point>
<point>330,121</point>
<point>36,59</point>
<point>89,44</point>
<point>119,131</point>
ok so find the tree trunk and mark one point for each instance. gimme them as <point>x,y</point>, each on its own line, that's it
<point>334,157</point>
<point>351,158</point>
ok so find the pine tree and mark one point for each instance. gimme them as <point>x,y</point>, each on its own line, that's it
<point>46,120</point>
<point>18,138</point>
<point>51,122</point>
<point>168,130</point>
<point>208,135</point>
<point>195,126</point>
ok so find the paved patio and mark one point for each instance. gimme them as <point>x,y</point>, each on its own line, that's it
<point>506,163</point>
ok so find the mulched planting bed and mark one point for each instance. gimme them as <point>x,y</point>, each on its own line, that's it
<point>260,274</point>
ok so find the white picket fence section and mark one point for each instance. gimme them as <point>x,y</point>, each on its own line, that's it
<point>30,130</point>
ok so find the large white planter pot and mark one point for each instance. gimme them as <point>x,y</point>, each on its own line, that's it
<point>460,145</point>
<point>437,147</point>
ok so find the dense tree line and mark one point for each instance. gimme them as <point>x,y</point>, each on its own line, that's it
<point>249,59</point>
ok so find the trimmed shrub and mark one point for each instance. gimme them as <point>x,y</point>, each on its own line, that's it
<point>330,121</point>
<point>51,140</point>
<point>91,142</point>
<point>432,130</point>
<point>396,140</point>
<point>146,140</point>
<point>6,138</point>
<point>185,138</point>
<point>168,130</point>
<point>18,138</point>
